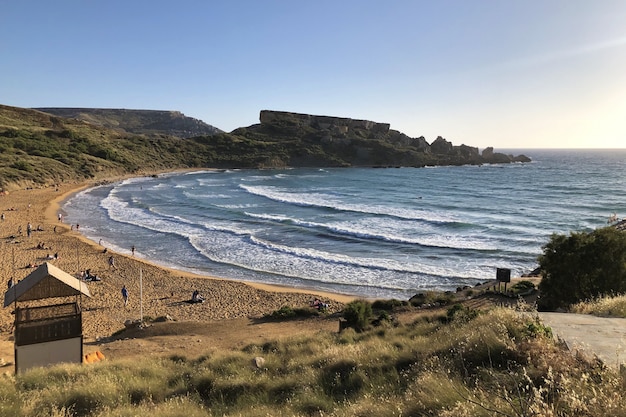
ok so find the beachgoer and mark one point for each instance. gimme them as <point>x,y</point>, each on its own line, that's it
<point>29,229</point>
<point>111,262</point>
<point>133,250</point>
<point>2,216</point>
<point>60,217</point>
<point>125,295</point>
<point>196,297</point>
<point>319,305</point>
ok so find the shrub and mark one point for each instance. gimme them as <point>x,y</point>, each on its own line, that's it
<point>582,266</point>
<point>357,314</point>
<point>523,285</point>
<point>388,304</point>
<point>460,312</point>
<point>431,297</point>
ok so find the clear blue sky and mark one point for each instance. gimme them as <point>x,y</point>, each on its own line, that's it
<point>502,73</point>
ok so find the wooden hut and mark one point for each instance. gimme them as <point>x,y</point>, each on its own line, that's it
<point>47,334</point>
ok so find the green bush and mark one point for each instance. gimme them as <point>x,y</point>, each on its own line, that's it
<point>582,266</point>
<point>523,286</point>
<point>388,304</point>
<point>460,312</point>
<point>357,314</point>
<point>431,297</point>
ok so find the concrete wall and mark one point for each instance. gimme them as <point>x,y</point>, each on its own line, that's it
<point>48,353</point>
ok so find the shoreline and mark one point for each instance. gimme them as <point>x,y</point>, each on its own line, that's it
<point>55,207</point>
<point>165,291</point>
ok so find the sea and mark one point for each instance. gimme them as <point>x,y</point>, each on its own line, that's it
<point>368,232</point>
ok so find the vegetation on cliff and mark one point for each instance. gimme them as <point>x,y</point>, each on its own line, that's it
<point>38,148</point>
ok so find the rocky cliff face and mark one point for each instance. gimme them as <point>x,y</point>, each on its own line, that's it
<point>149,122</point>
<point>338,124</point>
<point>364,142</point>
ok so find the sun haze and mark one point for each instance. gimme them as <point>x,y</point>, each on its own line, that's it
<point>524,74</point>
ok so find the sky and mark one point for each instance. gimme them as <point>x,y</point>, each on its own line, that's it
<point>512,74</point>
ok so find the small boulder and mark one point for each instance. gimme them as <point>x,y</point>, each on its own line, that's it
<point>258,362</point>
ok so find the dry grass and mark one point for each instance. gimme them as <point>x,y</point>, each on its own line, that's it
<point>496,363</point>
<point>608,306</point>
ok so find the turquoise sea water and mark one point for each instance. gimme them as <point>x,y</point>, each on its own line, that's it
<point>369,232</point>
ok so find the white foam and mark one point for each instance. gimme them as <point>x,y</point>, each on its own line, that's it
<point>332,202</point>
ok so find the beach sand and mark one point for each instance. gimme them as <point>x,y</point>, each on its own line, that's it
<point>165,291</point>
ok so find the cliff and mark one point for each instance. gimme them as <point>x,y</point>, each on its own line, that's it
<point>312,140</point>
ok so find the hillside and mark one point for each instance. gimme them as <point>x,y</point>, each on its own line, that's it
<point>38,148</point>
<point>140,122</point>
<point>41,149</point>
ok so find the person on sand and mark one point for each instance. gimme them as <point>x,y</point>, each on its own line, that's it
<point>125,295</point>
<point>319,305</point>
<point>133,250</point>
<point>111,262</point>
<point>196,297</point>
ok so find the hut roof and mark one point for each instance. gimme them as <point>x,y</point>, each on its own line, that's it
<point>47,281</point>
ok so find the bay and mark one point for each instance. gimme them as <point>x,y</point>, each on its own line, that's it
<point>368,232</point>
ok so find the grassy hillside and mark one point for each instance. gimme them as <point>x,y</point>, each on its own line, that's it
<point>464,363</point>
<point>148,122</point>
<point>40,149</point>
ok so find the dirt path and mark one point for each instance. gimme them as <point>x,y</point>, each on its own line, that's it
<point>604,337</point>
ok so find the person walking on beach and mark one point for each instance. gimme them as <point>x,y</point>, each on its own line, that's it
<point>125,295</point>
<point>29,229</point>
<point>111,263</point>
<point>133,250</point>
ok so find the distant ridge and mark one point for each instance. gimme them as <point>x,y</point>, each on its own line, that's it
<point>146,122</point>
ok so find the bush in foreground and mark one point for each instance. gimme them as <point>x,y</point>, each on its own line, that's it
<point>582,266</point>
<point>357,314</point>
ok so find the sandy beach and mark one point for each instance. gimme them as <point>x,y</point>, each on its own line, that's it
<point>164,291</point>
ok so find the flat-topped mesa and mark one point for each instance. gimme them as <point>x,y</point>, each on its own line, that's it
<point>270,117</point>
